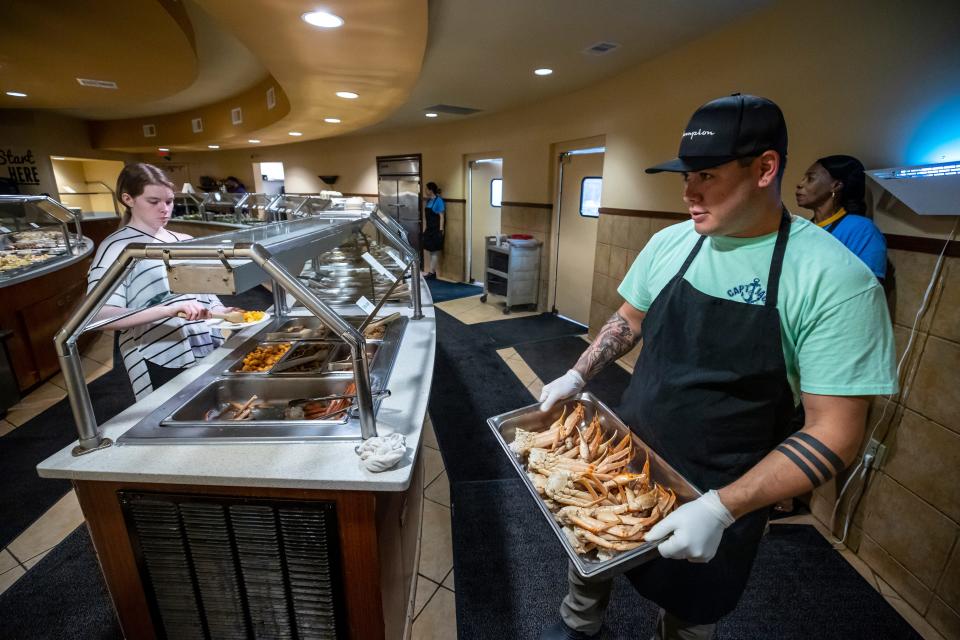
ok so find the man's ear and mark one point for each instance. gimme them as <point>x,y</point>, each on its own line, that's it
<point>769,163</point>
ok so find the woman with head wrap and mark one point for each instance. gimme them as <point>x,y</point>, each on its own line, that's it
<point>833,188</point>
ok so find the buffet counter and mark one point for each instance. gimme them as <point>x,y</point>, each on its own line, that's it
<point>262,522</point>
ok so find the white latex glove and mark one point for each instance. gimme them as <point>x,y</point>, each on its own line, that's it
<point>567,385</point>
<point>696,527</point>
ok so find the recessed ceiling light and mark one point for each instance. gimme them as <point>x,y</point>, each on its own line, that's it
<point>57,158</point>
<point>213,146</point>
<point>253,141</point>
<point>296,133</point>
<point>349,95</point>
<point>163,149</point>
<point>322,19</point>
<point>431,114</point>
<point>332,120</point>
<point>542,72</point>
<point>16,94</point>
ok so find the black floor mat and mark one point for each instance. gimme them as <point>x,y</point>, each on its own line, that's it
<point>527,329</point>
<point>26,496</point>
<point>511,577</point>
<point>63,597</point>
<point>551,358</point>
<point>441,290</point>
<point>470,384</point>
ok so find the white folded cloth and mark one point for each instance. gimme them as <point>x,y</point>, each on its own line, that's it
<point>382,452</point>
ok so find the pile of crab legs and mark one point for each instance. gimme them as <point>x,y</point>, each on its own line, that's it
<point>582,475</point>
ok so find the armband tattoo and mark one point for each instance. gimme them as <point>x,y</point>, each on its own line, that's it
<point>615,339</point>
<point>797,449</point>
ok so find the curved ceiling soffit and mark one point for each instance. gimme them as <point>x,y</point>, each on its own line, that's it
<point>378,54</point>
<point>43,52</point>
<point>178,129</point>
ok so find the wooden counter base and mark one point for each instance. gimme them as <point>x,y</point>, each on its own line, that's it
<point>378,538</point>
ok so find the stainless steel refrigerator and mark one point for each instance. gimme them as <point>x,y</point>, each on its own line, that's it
<point>399,190</point>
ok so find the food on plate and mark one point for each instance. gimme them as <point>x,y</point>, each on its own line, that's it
<point>10,261</point>
<point>253,316</point>
<point>264,357</point>
<point>581,472</point>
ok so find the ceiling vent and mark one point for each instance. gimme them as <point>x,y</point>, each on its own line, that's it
<point>453,110</point>
<point>601,48</point>
<point>97,84</point>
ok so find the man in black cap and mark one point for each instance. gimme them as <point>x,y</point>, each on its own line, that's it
<point>737,329</point>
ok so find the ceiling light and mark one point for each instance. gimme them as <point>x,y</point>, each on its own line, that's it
<point>253,141</point>
<point>332,120</point>
<point>322,19</point>
<point>349,95</point>
<point>213,146</point>
<point>57,158</point>
<point>430,114</point>
<point>542,72</point>
<point>296,133</point>
<point>16,94</point>
<point>163,149</point>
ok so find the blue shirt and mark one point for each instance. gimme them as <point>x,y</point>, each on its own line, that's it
<point>862,237</point>
<point>436,205</point>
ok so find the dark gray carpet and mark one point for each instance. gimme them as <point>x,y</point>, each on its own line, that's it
<point>63,597</point>
<point>26,496</point>
<point>470,383</point>
<point>527,329</point>
<point>511,576</point>
<point>441,290</point>
<point>551,358</point>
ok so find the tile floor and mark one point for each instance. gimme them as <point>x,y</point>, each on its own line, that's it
<point>435,611</point>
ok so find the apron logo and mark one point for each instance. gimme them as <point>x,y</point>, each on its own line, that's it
<point>751,293</point>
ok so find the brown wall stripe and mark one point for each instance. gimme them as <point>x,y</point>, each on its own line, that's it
<point>922,245</point>
<point>669,215</point>
<point>460,200</point>
<point>360,195</point>
<point>529,205</point>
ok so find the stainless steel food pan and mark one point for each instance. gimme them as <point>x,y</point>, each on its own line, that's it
<point>273,393</point>
<point>235,366</point>
<point>531,418</point>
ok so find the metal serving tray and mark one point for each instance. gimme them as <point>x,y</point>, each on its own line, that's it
<point>273,392</point>
<point>293,326</point>
<point>531,418</point>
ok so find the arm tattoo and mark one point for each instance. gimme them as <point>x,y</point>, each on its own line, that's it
<point>807,461</point>
<point>614,340</point>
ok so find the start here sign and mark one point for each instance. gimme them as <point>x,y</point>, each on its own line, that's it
<point>21,168</point>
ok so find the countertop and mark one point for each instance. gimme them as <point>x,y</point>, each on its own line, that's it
<point>329,465</point>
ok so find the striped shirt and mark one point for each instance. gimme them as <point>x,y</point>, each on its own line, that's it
<point>172,342</point>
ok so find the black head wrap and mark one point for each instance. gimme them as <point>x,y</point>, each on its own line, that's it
<point>849,171</point>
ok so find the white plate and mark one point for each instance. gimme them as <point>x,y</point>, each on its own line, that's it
<point>233,326</point>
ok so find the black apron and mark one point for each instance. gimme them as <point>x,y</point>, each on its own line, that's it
<point>710,394</point>
<point>432,236</point>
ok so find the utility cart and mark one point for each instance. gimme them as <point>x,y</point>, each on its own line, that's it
<point>512,270</point>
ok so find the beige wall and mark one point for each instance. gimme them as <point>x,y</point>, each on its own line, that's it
<point>485,218</point>
<point>69,175</point>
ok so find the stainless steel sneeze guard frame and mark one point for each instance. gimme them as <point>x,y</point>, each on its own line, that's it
<point>243,259</point>
<point>530,418</point>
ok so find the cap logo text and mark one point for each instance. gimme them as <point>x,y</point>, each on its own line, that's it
<point>698,132</point>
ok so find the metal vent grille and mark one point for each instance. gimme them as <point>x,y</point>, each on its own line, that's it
<point>452,109</point>
<point>238,568</point>
<point>601,48</point>
<point>98,84</point>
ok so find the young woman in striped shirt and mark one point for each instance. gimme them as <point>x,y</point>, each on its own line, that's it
<point>168,334</point>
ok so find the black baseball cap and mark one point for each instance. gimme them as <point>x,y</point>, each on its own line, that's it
<point>735,126</point>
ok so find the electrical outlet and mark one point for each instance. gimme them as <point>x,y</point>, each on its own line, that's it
<point>878,450</point>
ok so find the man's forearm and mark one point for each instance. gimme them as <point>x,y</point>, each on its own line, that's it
<point>804,461</point>
<point>615,339</point>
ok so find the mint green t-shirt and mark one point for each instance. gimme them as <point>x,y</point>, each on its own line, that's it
<point>835,327</point>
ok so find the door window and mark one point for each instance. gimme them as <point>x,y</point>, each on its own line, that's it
<point>496,192</point>
<point>590,189</point>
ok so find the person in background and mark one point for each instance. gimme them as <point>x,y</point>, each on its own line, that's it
<point>433,218</point>
<point>168,334</point>
<point>834,188</point>
<point>745,311</point>
<point>233,185</point>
